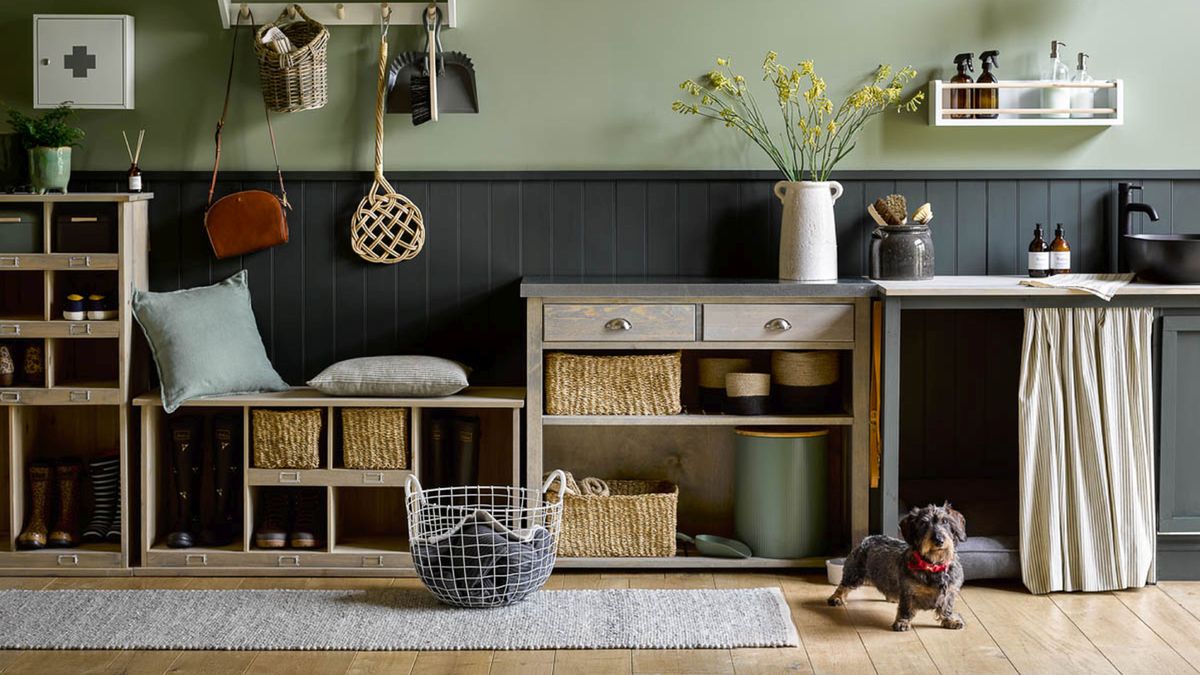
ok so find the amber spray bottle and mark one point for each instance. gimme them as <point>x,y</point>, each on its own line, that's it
<point>988,99</point>
<point>963,98</point>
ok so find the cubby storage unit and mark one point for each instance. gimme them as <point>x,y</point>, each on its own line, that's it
<point>78,409</point>
<point>363,527</point>
<point>695,449</point>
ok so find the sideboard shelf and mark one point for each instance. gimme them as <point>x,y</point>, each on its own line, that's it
<point>694,450</point>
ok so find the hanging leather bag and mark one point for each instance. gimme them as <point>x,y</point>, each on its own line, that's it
<point>250,220</point>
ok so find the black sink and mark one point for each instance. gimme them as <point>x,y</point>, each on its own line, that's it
<point>1163,258</point>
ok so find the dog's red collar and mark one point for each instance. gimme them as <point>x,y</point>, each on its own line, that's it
<point>917,563</point>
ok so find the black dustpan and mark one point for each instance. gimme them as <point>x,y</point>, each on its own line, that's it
<point>455,74</point>
<point>456,82</point>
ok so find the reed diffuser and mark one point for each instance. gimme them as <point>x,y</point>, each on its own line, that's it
<point>135,174</point>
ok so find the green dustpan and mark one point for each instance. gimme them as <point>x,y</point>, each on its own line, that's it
<point>716,547</point>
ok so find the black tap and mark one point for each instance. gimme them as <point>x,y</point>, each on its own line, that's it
<point>1125,211</point>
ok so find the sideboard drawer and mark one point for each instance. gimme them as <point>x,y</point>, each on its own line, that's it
<point>783,323</point>
<point>619,323</point>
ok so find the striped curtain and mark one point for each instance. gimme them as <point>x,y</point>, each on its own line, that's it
<point>1087,450</point>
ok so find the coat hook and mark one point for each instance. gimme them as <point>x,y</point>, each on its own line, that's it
<point>341,12</point>
<point>244,12</point>
<point>387,11</point>
<point>292,11</point>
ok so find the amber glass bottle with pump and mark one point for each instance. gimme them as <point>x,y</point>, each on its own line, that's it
<point>1039,255</point>
<point>1060,253</point>
<point>988,99</point>
<point>963,98</point>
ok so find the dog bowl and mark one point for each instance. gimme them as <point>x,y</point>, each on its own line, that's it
<point>833,570</point>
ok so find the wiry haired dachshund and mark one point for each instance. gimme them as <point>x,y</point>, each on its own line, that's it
<point>920,572</point>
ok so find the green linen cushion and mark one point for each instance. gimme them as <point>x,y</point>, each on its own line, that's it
<point>205,342</point>
<point>417,376</point>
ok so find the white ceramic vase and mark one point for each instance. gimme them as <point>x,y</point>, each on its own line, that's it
<point>807,235</point>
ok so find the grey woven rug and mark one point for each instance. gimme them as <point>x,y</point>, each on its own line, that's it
<point>386,619</point>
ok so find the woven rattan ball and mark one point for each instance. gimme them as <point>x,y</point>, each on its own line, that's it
<point>387,227</point>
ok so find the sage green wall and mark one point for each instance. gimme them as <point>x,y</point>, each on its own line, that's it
<point>587,84</point>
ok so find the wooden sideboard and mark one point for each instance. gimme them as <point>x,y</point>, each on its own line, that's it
<point>693,449</point>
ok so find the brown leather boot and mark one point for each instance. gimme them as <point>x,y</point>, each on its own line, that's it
<point>66,528</point>
<point>272,525</point>
<point>306,514</point>
<point>36,526</point>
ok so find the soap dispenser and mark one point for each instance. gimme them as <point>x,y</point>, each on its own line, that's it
<point>1082,97</point>
<point>988,99</point>
<point>1056,71</point>
<point>961,99</point>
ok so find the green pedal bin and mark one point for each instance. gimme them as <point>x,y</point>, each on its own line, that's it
<point>781,491</point>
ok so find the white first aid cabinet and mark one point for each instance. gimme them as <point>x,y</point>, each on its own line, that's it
<point>86,59</point>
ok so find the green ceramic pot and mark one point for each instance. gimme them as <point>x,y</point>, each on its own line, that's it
<point>49,169</point>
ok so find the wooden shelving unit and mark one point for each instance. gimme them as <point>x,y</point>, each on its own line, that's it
<point>365,529</point>
<point>1020,105</point>
<point>695,449</point>
<point>80,410</point>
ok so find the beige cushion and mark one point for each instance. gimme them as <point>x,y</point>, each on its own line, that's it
<point>396,376</point>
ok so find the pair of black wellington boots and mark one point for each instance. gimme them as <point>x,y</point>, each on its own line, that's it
<point>204,476</point>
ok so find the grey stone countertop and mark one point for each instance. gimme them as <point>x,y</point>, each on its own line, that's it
<point>689,287</point>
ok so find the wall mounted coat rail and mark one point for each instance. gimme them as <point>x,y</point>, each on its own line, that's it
<point>341,13</point>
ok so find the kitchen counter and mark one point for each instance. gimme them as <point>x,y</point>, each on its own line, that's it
<point>690,287</point>
<point>1010,286</point>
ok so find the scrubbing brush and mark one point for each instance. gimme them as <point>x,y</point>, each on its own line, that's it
<point>893,209</point>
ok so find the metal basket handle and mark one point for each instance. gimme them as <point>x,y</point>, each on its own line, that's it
<point>562,479</point>
<point>412,487</point>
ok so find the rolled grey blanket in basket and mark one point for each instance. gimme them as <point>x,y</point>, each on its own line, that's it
<point>483,561</point>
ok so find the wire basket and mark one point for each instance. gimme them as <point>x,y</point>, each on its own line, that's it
<point>483,546</point>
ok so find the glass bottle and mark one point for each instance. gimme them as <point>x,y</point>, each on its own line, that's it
<point>1082,97</point>
<point>1060,253</point>
<point>1039,255</point>
<point>988,99</point>
<point>1056,71</point>
<point>963,98</point>
<point>135,178</point>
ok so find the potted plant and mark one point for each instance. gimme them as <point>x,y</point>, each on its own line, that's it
<point>48,139</point>
<point>815,137</point>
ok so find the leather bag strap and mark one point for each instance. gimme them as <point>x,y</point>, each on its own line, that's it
<point>212,186</point>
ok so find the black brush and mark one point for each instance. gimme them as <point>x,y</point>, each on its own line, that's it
<point>423,89</point>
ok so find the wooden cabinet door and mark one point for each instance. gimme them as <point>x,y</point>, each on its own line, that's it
<point>1179,426</point>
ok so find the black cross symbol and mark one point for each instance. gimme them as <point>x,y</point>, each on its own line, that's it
<point>79,62</point>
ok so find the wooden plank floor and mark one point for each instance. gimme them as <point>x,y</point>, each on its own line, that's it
<point>1154,630</point>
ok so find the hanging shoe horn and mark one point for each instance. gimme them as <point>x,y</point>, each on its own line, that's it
<point>387,227</point>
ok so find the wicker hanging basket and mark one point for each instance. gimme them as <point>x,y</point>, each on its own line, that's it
<point>293,71</point>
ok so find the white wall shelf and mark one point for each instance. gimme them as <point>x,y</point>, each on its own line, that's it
<point>340,13</point>
<point>1020,105</point>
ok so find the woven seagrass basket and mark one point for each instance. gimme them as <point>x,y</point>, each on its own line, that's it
<point>287,439</point>
<point>294,80</point>
<point>628,519</point>
<point>375,438</point>
<point>578,384</point>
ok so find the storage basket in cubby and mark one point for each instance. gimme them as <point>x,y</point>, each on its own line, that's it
<point>375,438</point>
<point>617,518</point>
<point>287,439</point>
<point>641,384</point>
